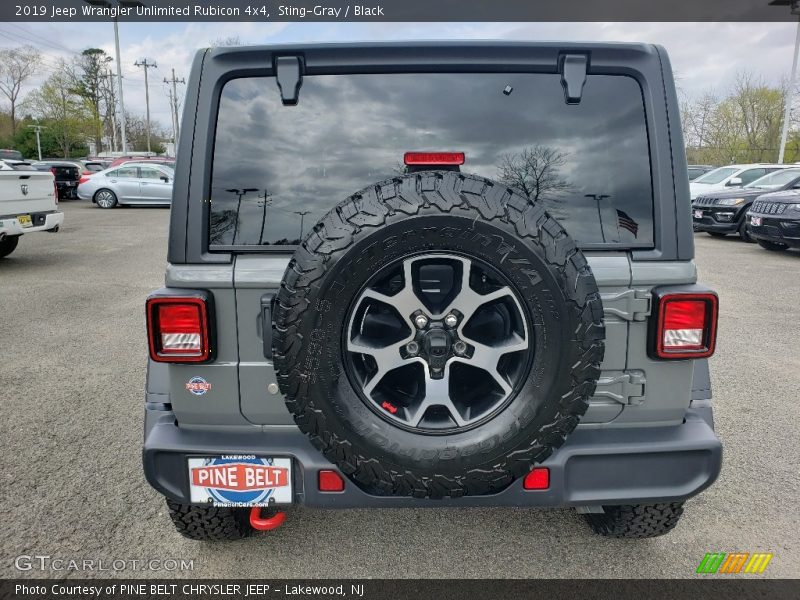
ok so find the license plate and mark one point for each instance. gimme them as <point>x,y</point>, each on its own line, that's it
<point>755,221</point>
<point>25,221</point>
<point>240,480</point>
<point>698,214</point>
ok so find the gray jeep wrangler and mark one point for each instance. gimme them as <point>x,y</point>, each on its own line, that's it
<point>430,274</point>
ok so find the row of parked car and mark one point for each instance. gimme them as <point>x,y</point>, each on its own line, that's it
<point>112,182</point>
<point>758,202</point>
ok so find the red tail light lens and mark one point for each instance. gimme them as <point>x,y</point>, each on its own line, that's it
<point>330,481</point>
<point>84,178</point>
<point>433,158</point>
<point>687,326</point>
<point>177,329</point>
<point>537,479</point>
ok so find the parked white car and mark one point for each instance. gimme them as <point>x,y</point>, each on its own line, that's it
<point>28,203</point>
<point>730,176</point>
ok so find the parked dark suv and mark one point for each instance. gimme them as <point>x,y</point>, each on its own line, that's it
<point>774,220</point>
<point>430,274</point>
<point>721,213</point>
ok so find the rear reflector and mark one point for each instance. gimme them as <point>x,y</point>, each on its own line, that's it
<point>433,158</point>
<point>687,326</point>
<point>538,479</point>
<point>330,481</point>
<point>177,329</point>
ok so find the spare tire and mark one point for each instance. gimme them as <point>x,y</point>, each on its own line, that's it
<point>436,334</point>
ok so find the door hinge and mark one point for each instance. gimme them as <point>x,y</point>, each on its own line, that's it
<point>625,387</point>
<point>631,305</point>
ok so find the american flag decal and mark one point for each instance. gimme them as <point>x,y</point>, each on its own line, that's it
<point>627,223</point>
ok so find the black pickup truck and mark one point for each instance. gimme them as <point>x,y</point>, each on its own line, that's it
<point>67,175</point>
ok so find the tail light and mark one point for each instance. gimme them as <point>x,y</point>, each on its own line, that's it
<point>330,481</point>
<point>433,158</point>
<point>55,192</point>
<point>178,328</point>
<point>537,479</point>
<point>685,326</point>
<point>84,178</point>
<point>53,171</point>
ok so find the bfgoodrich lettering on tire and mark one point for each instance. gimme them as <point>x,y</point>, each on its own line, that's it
<point>436,334</point>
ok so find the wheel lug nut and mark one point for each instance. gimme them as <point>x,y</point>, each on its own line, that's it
<point>451,320</point>
<point>460,348</point>
<point>412,348</point>
<point>421,321</point>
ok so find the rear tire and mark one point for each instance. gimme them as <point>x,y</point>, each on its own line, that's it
<point>772,246</point>
<point>105,199</point>
<point>636,521</point>
<point>209,523</point>
<point>8,245</point>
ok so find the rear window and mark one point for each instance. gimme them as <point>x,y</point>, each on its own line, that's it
<point>278,169</point>
<point>66,172</point>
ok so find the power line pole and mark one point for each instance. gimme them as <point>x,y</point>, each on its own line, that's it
<point>264,201</point>
<point>787,109</point>
<point>111,105</point>
<point>172,114</point>
<point>176,121</point>
<point>119,81</point>
<point>146,65</point>
<point>38,129</point>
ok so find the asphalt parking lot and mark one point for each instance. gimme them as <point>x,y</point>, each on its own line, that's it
<point>72,376</point>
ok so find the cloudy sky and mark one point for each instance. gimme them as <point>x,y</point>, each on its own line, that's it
<point>704,55</point>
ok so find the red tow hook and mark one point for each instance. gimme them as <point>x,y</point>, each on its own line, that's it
<point>268,524</point>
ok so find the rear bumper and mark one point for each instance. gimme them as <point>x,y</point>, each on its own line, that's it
<point>42,222</point>
<point>594,467</point>
<point>67,191</point>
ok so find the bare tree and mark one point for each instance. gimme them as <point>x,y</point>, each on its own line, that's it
<point>534,171</point>
<point>16,66</point>
<point>743,125</point>
<point>761,112</point>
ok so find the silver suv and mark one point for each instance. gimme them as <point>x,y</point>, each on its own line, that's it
<point>430,274</point>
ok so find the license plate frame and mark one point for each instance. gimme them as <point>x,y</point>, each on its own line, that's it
<point>240,480</point>
<point>25,221</point>
<point>755,221</point>
<point>698,214</point>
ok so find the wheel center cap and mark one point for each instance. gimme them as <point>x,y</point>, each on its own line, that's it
<point>437,344</point>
